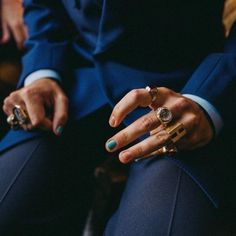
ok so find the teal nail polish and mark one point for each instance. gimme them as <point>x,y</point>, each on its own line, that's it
<point>111,144</point>
<point>59,129</point>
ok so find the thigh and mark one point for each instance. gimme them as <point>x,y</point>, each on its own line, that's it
<point>46,184</point>
<point>44,190</point>
<point>160,199</point>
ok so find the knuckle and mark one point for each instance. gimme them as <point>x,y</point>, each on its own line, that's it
<point>30,91</point>
<point>165,90</point>
<point>123,138</point>
<point>181,104</point>
<point>161,138</point>
<point>135,93</point>
<point>27,91</point>
<point>146,123</point>
<point>12,95</point>
<point>195,120</point>
<point>138,152</point>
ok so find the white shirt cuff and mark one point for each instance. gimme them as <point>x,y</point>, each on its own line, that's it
<point>210,110</point>
<point>39,74</point>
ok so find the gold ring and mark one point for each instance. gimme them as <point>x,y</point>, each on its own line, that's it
<point>176,132</point>
<point>11,120</point>
<point>152,92</point>
<point>167,149</point>
<point>164,115</point>
<point>18,117</point>
<point>20,114</point>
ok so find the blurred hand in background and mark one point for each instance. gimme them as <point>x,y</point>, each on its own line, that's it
<point>12,23</point>
<point>229,15</point>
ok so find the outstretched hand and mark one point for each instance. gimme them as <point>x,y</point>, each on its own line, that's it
<point>199,131</point>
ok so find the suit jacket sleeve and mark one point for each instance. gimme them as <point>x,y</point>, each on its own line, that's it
<point>215,79</point>
<point>50,32</point>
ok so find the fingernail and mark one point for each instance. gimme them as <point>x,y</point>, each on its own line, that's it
<point>59,130</point>
<point>111,144</point>
<point>125,156</point>
<point>112,121</point>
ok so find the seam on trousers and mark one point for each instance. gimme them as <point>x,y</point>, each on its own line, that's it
<point>212,199</point>
<point>18,174</point>
<point>174,203</point>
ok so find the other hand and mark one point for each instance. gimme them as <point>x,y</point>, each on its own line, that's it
<point>45,102</point>
<point>12,22</point>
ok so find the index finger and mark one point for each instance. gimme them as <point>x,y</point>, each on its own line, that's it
<point>132,100</point>
<point>19,33</point>
<point>137,98</point>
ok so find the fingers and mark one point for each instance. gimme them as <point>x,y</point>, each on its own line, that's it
<point>229,15</point>
<point>141,126</point>
<point>137,98</point>
<point>9,102</point>
<point>187,116</point>
<point>229,7</point>
<point>132,100</point>
<point>20,34</point>
<point>60,113</point>
<point>146,123</point>
<point>145,147</point>
<point>45,103</point>
<point>6,35</point>
<point>36,111</point>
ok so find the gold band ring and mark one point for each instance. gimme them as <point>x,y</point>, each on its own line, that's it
<point>153,93</point>
<point>167,149</point>
<point>18,117</point>
<point>176,132</point>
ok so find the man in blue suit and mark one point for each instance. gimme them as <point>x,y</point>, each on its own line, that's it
<point>82,58</point>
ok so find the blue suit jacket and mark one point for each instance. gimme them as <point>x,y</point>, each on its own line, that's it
<point>103,49</point>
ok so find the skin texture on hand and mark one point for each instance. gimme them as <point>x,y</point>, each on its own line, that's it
<point>199,130</point>
<point>12,23</point>
<point>45,102</point>
<point>229,15</point>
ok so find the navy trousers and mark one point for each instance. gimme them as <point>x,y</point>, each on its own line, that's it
<point>162,200</point>
<point>46,186</point>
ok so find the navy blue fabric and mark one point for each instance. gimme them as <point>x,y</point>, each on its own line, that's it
<point>40,190</point>
<point>103,49</point>
<point>160,199</point>
<point>112,41</point>
<point>46,183</point>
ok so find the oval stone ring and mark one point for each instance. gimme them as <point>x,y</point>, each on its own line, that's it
<point>18,117</point>
<point>164,115</point>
